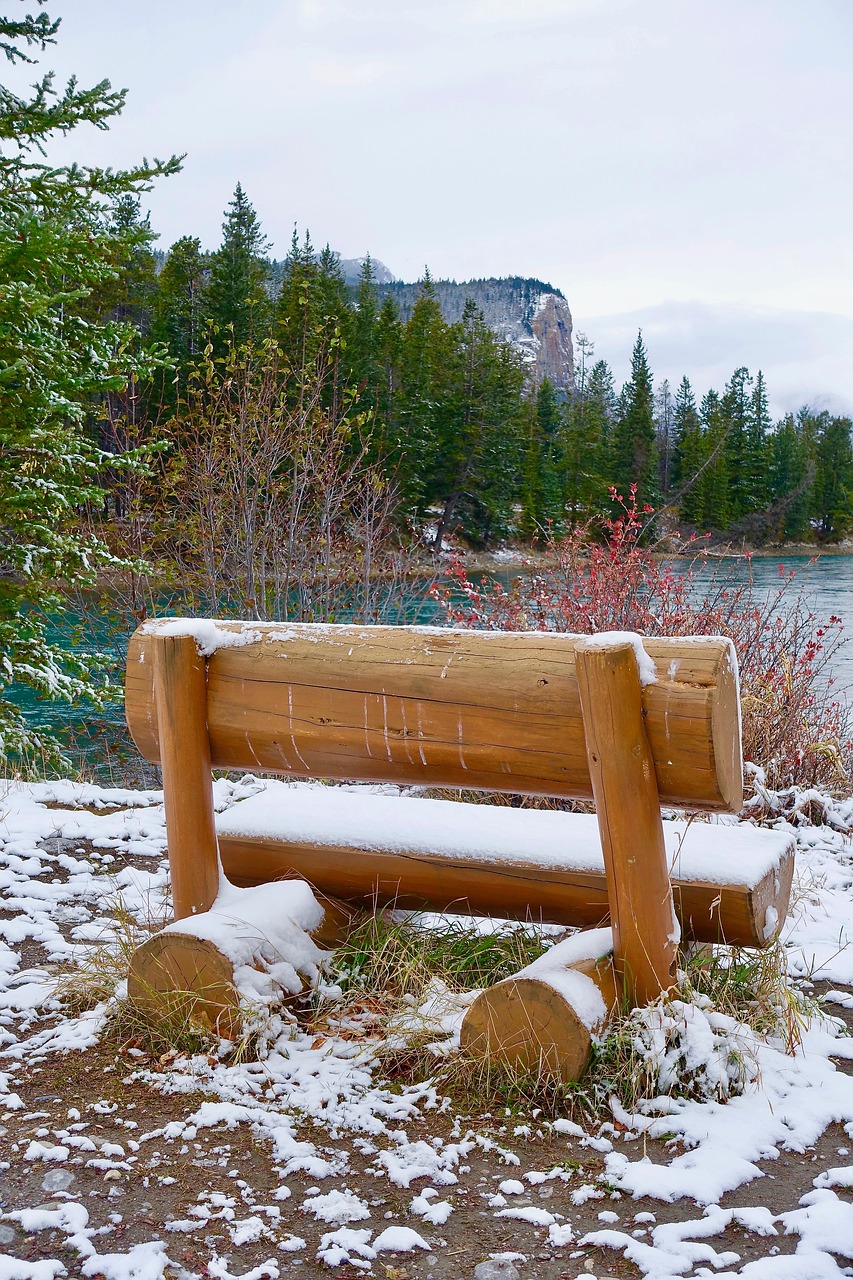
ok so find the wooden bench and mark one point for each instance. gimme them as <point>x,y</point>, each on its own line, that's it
<point>633,726</point>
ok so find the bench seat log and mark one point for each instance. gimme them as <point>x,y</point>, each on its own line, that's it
<point>730,883</point>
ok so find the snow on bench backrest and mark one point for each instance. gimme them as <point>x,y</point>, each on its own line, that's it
<point>496,711</point>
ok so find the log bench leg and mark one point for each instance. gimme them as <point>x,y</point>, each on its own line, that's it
<point>542,1021</point>
<point>176,973</point>
<point>645,928</point>
<point>180,693</point>
<point>173,974</point>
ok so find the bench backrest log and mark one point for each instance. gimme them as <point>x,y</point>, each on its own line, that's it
<point>497,711</point>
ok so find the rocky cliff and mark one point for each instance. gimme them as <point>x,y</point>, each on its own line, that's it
<point>533,316</point>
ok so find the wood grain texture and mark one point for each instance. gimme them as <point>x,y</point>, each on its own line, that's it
<point>530,1026</point>
<point>490,711</point>
<point>627,805</point>
<point>733,913</point>
<point>180,700</point>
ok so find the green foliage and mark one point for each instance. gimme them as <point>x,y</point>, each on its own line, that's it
<point>791,477</point>
<point>635,436</point>
<point>238,300</point>
<point>586,439</point>
<point>474,469</point>
<point>423,405</point>
<point>179,304</point>
<point>832,505</point>
<point>542,491</point>
<point>66,233</point>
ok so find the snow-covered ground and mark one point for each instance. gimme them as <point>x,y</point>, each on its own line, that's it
<point>117,1165</point>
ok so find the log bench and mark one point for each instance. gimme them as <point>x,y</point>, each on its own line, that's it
<point>633,725</point>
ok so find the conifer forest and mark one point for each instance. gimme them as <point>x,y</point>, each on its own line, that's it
<point>441,416</point>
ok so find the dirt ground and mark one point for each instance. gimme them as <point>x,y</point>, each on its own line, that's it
<point>131,1199</point>
<point>141,1180</point>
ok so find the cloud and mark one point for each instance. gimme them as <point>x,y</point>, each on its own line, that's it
<point>805,355</point>
<point>349,75</point>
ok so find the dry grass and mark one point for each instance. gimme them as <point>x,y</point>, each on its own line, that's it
<point>390,969</point>
<point>100,978</point>
<point>744,994</point>
<point>392,959</point>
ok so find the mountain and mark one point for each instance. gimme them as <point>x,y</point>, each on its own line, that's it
<point>530,314</point>
<point>351,267</point>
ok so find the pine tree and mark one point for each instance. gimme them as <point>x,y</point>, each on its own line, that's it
<point>363,333</point>
<point>582,442</point>
<point>59,245</point>
<point>238,298</point>
<point>422,406</point>
<point>299,322</point>
<point>758,437</point>
<point>601,411</point>
<point>688,454</point>
<point>714,483</point>
<point>388,350</point>
<point>832,503</point>
<point>179,306</point>
<point>665,430</point>
<point>736,411</point>
<point>332,294</point>
<point>474,470</point>
<point>790,478</point>
<point>635,438</point>
<point>129,294</point>
<point>542,496</point>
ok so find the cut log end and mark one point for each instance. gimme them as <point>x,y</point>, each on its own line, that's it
<point>527,1025</point>
<point>177,980</point>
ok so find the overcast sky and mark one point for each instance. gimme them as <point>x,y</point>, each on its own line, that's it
<point>684,165</point>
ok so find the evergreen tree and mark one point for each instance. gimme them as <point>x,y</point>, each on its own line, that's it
<point>363,332</point>
<point>422,408</point>
<point>758,438</point>
<point>475,467</point>
<point>582,443</point>
<point>832,504</point>
<point>179,306</point>
<point>59,245</point>
<point>601,412</point>
<point>714,485</point>
<point>790,478</point>
<point>736,411</point>
<point>635,437</point>
<point>298,314</point>
<point>688,454</point>
<point>542,498</point>
<point>238,297</point>
<point>388,349</point>
<point>332,294</point>
<point>665,431</point>
<point>129,293</point>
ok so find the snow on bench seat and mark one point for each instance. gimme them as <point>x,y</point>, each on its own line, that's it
<point>731,881</point>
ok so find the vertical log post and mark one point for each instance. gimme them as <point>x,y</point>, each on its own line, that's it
<point>180,692</point>
<point>626,799</point>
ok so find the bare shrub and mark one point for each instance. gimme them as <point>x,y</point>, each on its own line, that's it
<point>275,506</point>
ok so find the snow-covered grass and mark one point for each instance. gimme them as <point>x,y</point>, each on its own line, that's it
<point>348,1165</point>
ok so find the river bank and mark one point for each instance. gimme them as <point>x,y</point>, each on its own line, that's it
<point>535,557</point>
